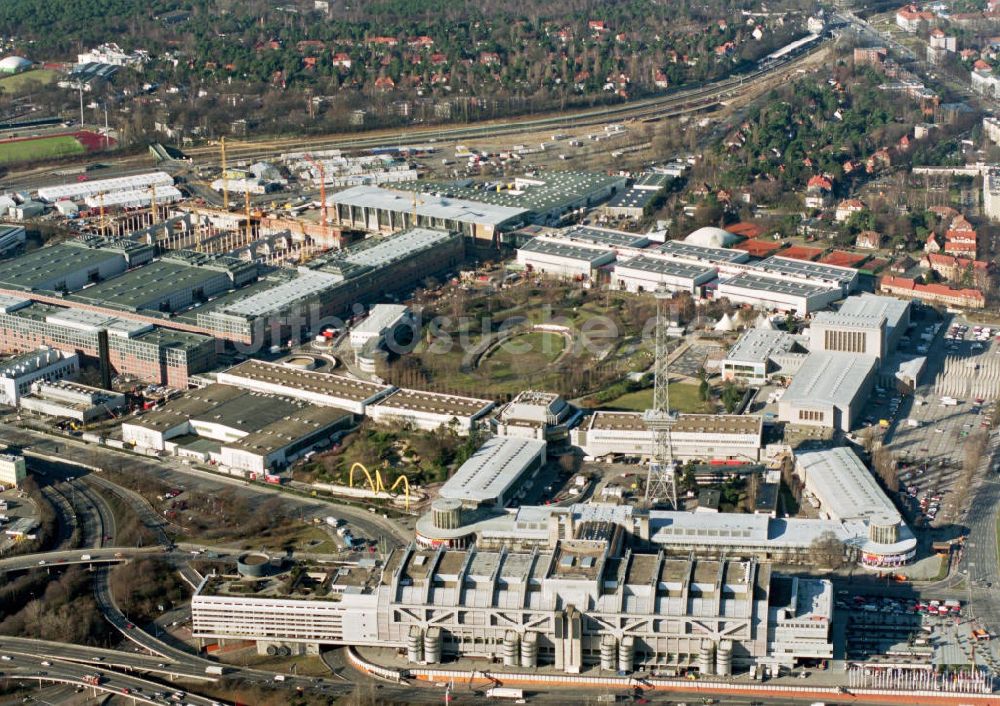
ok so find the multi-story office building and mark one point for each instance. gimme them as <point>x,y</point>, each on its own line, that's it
<point>583,602</point>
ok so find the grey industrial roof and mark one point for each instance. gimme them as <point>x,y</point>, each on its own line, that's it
<point>147,286</point>
<point>750,280</point>
<point>844,485</point>
<point>52,263</point>
<point>547,192</point>
<point>846,319</point>
<point>829,377</point>
<point>655,180</point>
<point>93,321</point>
<point>685,423</point>
<point>308,380</point>
<point>758,345</point>
<point>894,310</point>
<point>427,205</point>
<point>804,268</point>
<point>632,198</point>
<point>556,248</point>
<point>601,236</point>
<point>666,267</point>
<point>380,251</point>
<point>702,253</point>
<point>269,422</point>
<point>492,469</point>
<point>434,403</point>
<point>280,296</point>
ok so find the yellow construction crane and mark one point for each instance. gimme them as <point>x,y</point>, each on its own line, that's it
<point>377,484</point>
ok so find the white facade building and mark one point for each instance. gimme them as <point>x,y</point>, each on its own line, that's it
<point>647,273</point>
<point>703,437</point>
<point>45,364</point>
<point>429,410</point>
<point>494,472</point>
<point>12,470</point>
<point>829,390</point>
<point>381,322</point>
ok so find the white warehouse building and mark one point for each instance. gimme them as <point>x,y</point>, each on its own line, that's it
<point>44,365</point>
<point>647,273</point>
<point>693,436</point>
<point>829,390</point>
<point>563,259</point>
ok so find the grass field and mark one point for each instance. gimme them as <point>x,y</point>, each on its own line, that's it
<point>18,82</point>
<point>683,398</point>
<point>522,356</point>
<point>42,148</point>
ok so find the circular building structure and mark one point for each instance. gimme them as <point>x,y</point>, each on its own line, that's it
<point>710,237</point>
<point>14,65</point>
<point>253,565</point>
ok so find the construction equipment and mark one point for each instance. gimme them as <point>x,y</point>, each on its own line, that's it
<point>322,185</point>
<point>152,204</point>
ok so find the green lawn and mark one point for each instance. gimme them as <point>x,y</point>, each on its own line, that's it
<point>523,355</point>
<point>42,148</point>
<point>18,82</point>
<point>683,398</point>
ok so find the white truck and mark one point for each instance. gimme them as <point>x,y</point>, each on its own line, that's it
<point>213,669</point>
<point>504,692</point>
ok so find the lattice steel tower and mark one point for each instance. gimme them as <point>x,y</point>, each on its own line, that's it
<point>661,481</point>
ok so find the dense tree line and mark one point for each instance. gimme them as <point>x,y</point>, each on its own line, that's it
<point>236,59</point>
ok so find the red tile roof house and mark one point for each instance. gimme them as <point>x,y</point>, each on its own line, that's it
<point>937,293</point>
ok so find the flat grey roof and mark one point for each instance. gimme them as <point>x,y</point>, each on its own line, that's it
<point>758,345</point>
<point>845,486</point>
<point>147,286</point>
<point>829,377</point>
<point>380,251</point>
<point>750,280</point>
<point>804,268</point>
<point>51,264</point>
<point>670,268</point>
<point>894,310</point>
<point>549,191</point>
<point>601,236</point>
<point>702,253</point>
<point>846,319</point>
<point>544,246</point>
<point>278,297</point>
<point>307,380</point>
<point>632,198</point>
<point>492,469</point>
<point>434,403</point>
<point>428,205</point>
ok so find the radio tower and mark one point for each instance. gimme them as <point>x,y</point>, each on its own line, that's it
<point>661,481</point>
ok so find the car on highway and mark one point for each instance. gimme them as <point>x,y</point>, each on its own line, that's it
<point>129,626</point>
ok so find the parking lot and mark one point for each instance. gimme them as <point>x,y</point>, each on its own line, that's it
<point>921,630</point>
<point>928,432</point>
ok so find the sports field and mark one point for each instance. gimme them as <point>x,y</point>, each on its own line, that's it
<point>18,82</point>
<point>39,148</point>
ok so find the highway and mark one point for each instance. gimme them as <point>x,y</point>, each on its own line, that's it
<point>193,479</point>
<point>30,668</point>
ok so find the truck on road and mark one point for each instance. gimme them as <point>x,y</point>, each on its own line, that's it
<point>504,692</point>
<point>214,669</point>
